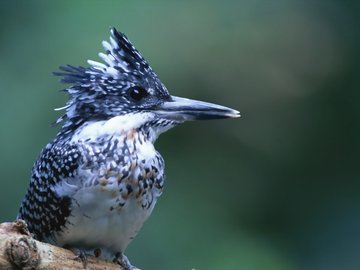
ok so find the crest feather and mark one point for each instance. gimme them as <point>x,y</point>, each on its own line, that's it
<point>121,60</point>
<point>93,89</point>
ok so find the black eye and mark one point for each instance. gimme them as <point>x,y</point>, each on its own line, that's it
<point>138,93</point>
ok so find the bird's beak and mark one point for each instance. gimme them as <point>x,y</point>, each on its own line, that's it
<point>183,109</point>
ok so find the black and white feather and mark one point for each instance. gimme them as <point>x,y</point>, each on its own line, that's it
<point>96,183</point>
<point>103,90</point>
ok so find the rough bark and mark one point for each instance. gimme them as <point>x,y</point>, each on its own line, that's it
<point>18,250</point>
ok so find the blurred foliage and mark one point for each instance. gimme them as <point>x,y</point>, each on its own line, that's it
<point>278,188</point>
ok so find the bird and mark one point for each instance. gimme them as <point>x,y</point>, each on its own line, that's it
<point>96,183</point>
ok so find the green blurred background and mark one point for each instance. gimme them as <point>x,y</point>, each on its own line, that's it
<point>276,189</point>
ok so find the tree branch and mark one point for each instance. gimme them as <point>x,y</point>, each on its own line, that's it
<point>18,250</point>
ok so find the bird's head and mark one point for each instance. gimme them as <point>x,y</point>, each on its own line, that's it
<point>125,85</point>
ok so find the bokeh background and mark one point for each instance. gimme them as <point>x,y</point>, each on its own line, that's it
<point>278,188</point>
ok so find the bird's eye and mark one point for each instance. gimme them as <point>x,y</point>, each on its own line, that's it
<point>138,93</point>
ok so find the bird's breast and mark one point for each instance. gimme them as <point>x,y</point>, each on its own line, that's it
<point>113,192</point>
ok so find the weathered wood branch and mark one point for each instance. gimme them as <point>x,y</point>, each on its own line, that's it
<point>18,250</point>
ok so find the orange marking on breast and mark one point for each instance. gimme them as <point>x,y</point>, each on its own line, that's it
<point>124,195</point>
<point>114,194</point>
<point>103,182</point>
<point>110,173</point>
<point>131,134</point>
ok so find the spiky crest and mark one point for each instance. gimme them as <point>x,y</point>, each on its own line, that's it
<point>94,87</point>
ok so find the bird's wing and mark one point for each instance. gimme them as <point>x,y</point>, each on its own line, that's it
<point>43,208</point>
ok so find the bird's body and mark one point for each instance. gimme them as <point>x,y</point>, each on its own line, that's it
<point>120,180</point>
<point>109,176</point>
<point>97,182</point>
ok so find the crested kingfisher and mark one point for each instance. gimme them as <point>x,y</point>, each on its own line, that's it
<point>98,180</point>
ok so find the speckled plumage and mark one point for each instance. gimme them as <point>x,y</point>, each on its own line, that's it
<point>97,182</point>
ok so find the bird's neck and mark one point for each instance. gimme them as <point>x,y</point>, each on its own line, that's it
<point>120,126</point>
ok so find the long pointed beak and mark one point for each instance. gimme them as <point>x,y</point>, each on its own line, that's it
<point>184,109</point>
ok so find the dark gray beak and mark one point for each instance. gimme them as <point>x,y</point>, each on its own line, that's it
<point>183,109</point>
